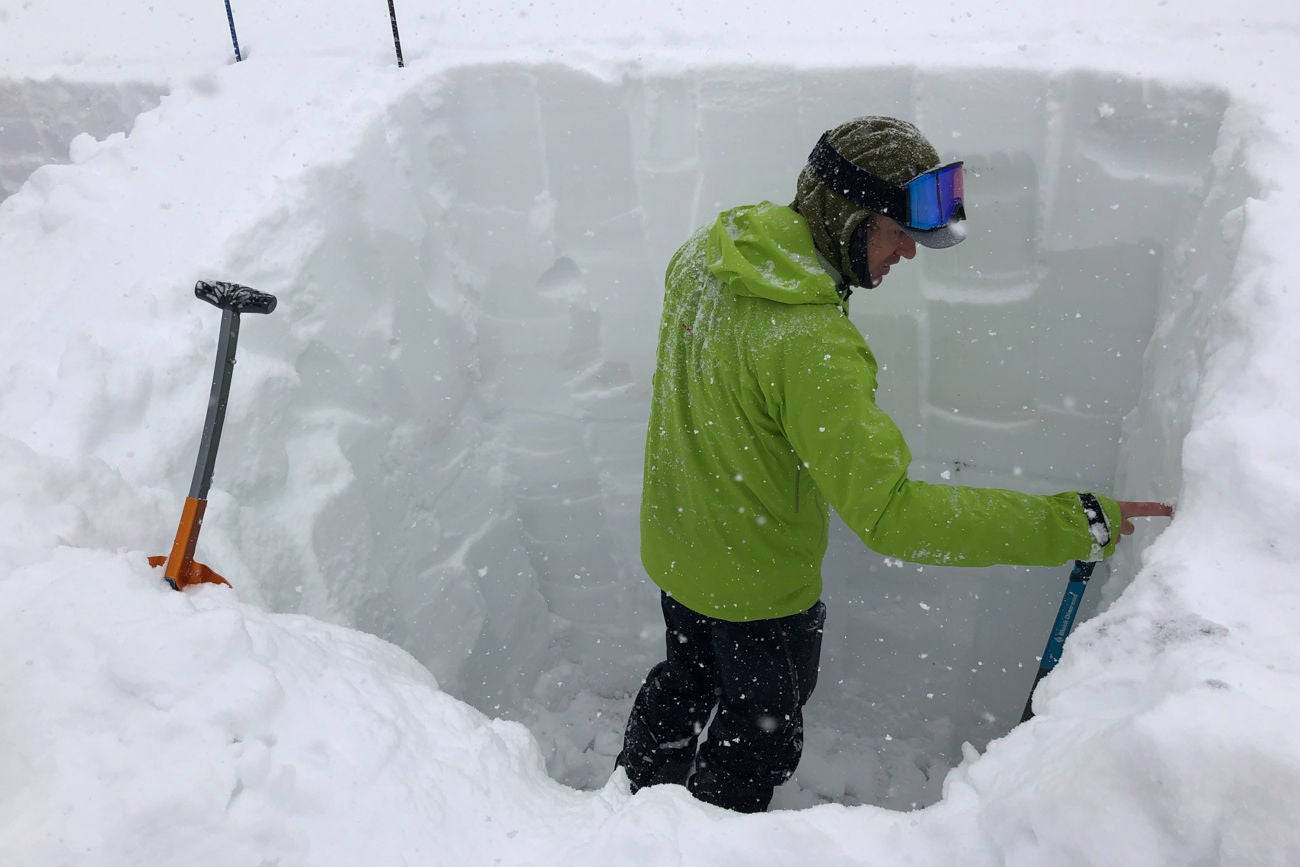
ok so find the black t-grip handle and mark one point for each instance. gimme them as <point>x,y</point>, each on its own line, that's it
<point>233,297</point>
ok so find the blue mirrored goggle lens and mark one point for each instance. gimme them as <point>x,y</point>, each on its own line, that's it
<point>933,198</point>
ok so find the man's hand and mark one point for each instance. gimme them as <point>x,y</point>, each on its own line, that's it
<point>1129,509</point>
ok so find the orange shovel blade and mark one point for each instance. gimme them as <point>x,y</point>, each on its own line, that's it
<point>182,569</point>
<point>197,573</point>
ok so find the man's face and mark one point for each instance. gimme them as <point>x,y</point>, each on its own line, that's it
<point>887,243</point>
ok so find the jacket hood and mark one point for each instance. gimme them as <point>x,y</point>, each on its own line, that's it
<point>767,251</point>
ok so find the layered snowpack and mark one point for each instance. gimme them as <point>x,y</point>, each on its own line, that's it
<point>426,496</point>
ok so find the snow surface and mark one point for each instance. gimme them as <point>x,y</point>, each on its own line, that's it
<point>426,494</point>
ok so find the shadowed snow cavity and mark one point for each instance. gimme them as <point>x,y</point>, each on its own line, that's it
<point>40,119</point>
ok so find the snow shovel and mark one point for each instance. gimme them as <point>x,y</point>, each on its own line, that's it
<point>1079,576</point>
<point>182,569</point>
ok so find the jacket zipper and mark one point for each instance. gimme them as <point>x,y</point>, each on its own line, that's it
<point>798,471</point>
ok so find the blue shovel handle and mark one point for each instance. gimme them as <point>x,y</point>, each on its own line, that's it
<point>1061,628</point>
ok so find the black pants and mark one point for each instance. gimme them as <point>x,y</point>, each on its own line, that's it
<point>759,674</point>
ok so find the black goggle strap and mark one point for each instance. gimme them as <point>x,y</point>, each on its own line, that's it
<point>857,184</point>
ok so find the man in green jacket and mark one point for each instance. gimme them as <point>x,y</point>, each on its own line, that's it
<point>763,415</point>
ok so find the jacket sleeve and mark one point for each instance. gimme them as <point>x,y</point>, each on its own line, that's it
<point>825,402</point>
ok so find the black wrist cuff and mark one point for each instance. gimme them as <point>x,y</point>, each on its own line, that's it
<point>1098,526</point>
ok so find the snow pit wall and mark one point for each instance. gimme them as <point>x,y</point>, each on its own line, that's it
<point>471,337</point>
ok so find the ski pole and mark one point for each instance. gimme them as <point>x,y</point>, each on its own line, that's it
<point>397,40</point>
<point>1079,576</point>
<point>181,567</point>
<point>230,16</point>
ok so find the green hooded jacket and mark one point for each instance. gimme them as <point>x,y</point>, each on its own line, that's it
<point>764,413</point>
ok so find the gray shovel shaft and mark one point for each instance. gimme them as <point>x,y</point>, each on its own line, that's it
<point>232,299</point>
<point>217,398</point>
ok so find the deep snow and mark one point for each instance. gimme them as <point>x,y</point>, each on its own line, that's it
<point>436,438</point>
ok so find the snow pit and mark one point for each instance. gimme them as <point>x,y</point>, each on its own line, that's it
<point>471,337</point>
<point>437,438</point>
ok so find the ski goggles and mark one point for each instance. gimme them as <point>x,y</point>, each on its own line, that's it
<point>935,197</point>
<point>927,202</point>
